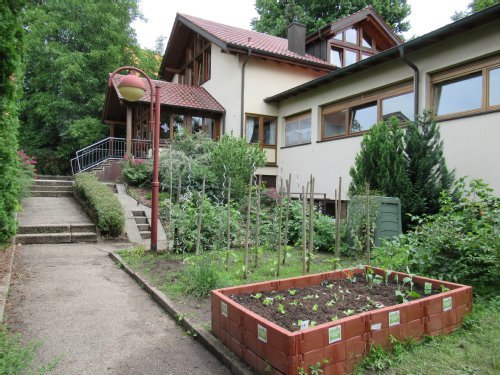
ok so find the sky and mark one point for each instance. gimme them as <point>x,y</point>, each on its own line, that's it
<point>426,15</point>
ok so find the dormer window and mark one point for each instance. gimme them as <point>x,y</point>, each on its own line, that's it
<point>350,46</point>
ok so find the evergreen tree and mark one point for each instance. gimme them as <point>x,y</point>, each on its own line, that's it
<point>72,46</point>
<point>473,7</point>
<point>426,166</point>
<point>381,162</point>
<point>275,16</point>
<point>11,44</point>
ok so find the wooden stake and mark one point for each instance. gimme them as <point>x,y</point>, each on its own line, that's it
<point>288,194</point>
<point>311,225</point>
<point>304,218</point>
<point>200,216</point>
<point>368,255</point>
<point>170,231</point>
<point>257,224</point>
<point>338,208</point>
<point>280,221</point>
<point>179,190</point>
<point>247,230</point>
<point>228,222</point>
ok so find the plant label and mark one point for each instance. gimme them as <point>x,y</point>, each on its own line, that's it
<point>262,333</point>
<point>304,324</point>
<point>334,334</point>
<point>394,318</point>
<point>376,327</point>
<point>223,309</point>
<point>428,288</point>
<point>447,303</point>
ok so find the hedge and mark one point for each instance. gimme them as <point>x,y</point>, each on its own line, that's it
<point>102,205</point>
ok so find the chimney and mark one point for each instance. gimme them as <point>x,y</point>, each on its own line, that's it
<point>297,38</point>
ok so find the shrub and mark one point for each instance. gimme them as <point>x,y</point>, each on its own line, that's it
<point>459,243</point>
<point>214,223</point>
<point>201,277</point>
<point>137,172</point>
<point>104,207</point>
<point>356,221</point>
<point>26,173</point>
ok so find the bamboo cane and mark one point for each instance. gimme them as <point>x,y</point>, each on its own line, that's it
<point>200,218</point>
<point>368,255</point>
<point>338,208</point>
<point>171,191</point>
<point>311,225</point>
<point>247,230</point>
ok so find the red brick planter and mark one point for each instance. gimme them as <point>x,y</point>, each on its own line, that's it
<point>270,349</point>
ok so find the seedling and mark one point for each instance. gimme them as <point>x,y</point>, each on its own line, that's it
<point>313,323</point>
<point>348,312</point>
<point>292,292</point>
<point>315,307</point>
<point>413,294</point>
<point>268,301</point>
<point>330,286</point>
<point>444,289</point>
<point>400,296</point>
<point>334,318</point>
<point>330,303</point>
<point>294,303</point>
<point>256,295</point>
<point>396,279</point>
<point>309,296</point>
<point>387,274</point>
<point>279,297</point>
<point>316,369</point>
<point>281,309</point>
<point>349,275</point>
<point>378,279</point>
<point>369,275</point>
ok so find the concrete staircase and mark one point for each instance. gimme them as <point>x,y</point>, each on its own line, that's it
<point>52,186</point>
<point>142,223</point>
<point>51,215</point>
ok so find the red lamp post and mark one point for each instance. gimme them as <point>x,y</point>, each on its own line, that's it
<point>132,89</point>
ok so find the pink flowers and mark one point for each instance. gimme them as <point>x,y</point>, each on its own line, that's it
<point>26,159</point>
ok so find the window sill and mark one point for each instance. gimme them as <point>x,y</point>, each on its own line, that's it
<point>466,114</point>
<point>359,134</point>
<point>301,144</point>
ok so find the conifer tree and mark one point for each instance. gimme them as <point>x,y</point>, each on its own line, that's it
<point>426,166</point>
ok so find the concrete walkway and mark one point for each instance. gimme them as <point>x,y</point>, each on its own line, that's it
<point>75,301</point>
<point>51,210</point>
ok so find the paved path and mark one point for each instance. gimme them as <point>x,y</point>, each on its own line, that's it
<point>51,210</point>
<point>78,303</point>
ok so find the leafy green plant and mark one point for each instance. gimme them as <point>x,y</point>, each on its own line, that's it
<point>256,295</point>
<point>315,308</point>
<point>292,292</point>
<point>201,277</point>
<point>281,309</point>
<point>104,207</point>
<point>137,172</point>
<point>459,243</point>
<point>268,301</point>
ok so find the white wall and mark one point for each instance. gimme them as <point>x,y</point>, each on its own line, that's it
<point>471,144</point>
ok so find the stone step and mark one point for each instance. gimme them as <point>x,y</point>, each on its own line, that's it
<point>52,193</point>
<point>145,234</point>
<point>51,188</point>
<point>138,213</point>
<point>54,182</point>
<point>39,238</point>
<point>83,228</point>
<point>143,227</point>
<point>84,237</point>
<point>43,229</point>
<point>141,220</point>
<point>47,177</point>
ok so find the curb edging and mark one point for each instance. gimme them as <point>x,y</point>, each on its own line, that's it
<point>223,354</point>
<point>5,282</point>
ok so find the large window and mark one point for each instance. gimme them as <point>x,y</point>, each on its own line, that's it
<point>298,129</point>
<point>196,71</point>
<point>469,89</point>
<point>358,114</point>
<point>350,46</point>
<point>261,130</point>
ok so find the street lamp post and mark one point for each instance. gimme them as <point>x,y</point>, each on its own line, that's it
<point>132,89</point>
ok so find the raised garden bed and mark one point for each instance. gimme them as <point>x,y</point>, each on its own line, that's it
<point>283,345</point>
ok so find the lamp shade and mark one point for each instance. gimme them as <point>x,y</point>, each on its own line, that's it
<point>131,88</point>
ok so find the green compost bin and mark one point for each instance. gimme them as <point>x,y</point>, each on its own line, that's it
<point>388,223</point>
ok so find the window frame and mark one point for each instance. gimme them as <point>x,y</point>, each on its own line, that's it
<point>197,66</point>
<point>360,100</point>
<point>342,44</point>
<point>298,116</point>
<point>461,72</point>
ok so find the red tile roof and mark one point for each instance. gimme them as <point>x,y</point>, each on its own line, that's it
<point>178,95</point>
<point>251,39</point>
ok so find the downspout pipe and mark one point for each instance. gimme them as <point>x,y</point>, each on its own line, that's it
<point>416,79</point>
<point>249,53</point>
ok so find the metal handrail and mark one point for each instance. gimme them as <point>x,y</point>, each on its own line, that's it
<point>110,148</point>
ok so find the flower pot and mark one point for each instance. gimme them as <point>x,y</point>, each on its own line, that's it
<point>339,344</point>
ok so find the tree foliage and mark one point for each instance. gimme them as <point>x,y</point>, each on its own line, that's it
<point>275,16</point>
<point>11,44</point>
<point>72,46</point>
<point>409,165</point>
<point>473,7</point>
